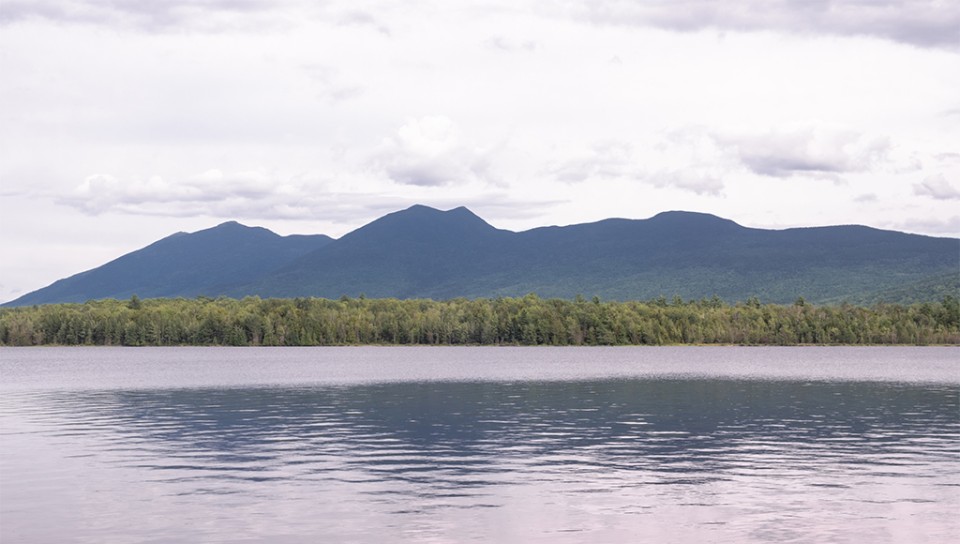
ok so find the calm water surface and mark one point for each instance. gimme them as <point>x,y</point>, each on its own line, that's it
<point>479,444</point>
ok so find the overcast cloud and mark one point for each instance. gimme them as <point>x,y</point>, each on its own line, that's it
<point>156,16</point>
<point>123,121</point>
<point>925,23</point>
<point>937,187</point>
<point>816,150</point>
<point>429,151</point>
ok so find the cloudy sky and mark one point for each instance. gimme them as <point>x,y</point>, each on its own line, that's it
<point>123,121</point>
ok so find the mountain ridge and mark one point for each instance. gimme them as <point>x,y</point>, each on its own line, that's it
<point>182,264</point>
<point>423,252</point>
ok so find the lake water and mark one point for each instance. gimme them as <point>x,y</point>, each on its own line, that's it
<point>291,445</point>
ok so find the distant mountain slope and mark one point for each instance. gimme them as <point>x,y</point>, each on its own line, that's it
<point>422,252</point>
<point>933,288</point>
<point>187,265</point>
<point>417,252</point>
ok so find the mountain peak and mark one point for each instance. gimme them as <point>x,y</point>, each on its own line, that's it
<point>183,264</point>
<point>425,252</point>
<point>232,229</point>
<point>462,211</point>
<point>682,220</point>
<point>424,210</point>
<point>233,225</point>
<point>425,223</point>
<point>455,216</point>
<point>418,208</point>
<point>683,214</point>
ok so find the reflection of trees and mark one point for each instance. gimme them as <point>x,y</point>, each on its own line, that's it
<point>682,426</point>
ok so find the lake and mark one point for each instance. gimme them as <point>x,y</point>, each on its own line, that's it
<point>414,444</point>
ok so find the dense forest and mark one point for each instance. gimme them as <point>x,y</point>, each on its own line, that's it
<point>529,320</point>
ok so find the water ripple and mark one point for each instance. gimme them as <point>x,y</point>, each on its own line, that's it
<point>730,459</point>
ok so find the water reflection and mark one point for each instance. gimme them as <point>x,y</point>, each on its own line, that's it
<point>564,456</point>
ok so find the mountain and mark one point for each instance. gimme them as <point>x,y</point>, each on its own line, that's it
<point>417,252</point>
<point>422,252</point>
<point>932,288</point>
<point>183,265</point>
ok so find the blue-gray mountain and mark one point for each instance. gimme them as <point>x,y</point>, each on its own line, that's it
<point>183,265</point>
<point>421,252</point>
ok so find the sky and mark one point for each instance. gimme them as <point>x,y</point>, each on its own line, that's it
<point>123,121</point>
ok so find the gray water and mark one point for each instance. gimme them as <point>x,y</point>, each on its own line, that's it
<point>479,444</point>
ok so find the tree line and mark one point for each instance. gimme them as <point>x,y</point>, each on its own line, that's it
<point>528,320</point>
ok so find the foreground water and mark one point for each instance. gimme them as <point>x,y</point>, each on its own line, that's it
<point>479,444</point>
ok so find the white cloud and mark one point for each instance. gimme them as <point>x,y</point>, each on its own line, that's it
<point>511,45</point>
<point>818,151</point>
<point>605,160</point>
<point>332,87</point>
<point>208,193</point>
<point>429,151</point>
<point>357,17</point>
<point>701,181</point>
<point>291,114</point>
<point>937,187</point>
<point>154,16</point>
<point>258,196</point>
<point>926,23</point>
<point>686,159</point>
<point>947,226</point>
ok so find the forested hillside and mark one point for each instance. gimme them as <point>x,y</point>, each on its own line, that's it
<point>183,265</point>
<point>529,320</point>
<point>422,252</point>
